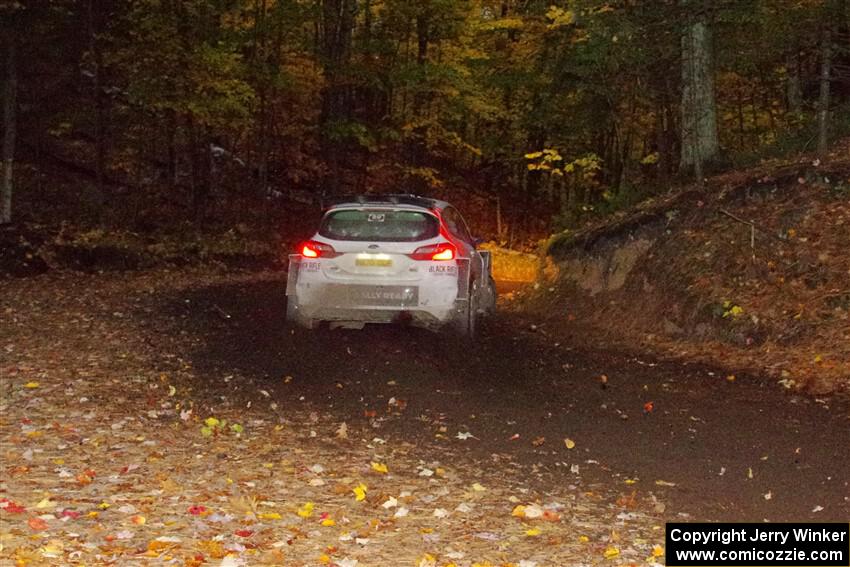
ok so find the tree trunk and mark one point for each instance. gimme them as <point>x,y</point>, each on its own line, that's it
<point>823,100</point>
<point>336,26</point>
<point>793,84</point>
<point>97,97</point>
<point>699,110</point>
<point>9,128</point>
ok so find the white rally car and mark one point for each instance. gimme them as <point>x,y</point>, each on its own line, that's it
<point>381,259</point>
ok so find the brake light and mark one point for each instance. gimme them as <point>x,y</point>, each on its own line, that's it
<point>447,254</point>
<point>438,252</point>
<point>313,249</point>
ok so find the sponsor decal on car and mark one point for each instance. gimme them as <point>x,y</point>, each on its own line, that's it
<point>446,270</point>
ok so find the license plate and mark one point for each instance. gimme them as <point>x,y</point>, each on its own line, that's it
<point>374,262</point>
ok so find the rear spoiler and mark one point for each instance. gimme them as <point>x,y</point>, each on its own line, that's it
<point>394,199</point>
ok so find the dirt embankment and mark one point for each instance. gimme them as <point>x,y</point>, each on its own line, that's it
<point>752,273</point>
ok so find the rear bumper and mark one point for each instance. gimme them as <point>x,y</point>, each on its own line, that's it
<point>432,300</point>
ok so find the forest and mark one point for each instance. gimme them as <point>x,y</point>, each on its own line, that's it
<point>536,115</point>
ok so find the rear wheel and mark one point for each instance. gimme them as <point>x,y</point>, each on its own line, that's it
<point>489,305</point>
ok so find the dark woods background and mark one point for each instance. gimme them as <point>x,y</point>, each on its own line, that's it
<point>531,115</point>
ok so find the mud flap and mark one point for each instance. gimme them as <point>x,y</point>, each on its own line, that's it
<point>292,274</point>
<point>487,261</point>
<point>463,289</point>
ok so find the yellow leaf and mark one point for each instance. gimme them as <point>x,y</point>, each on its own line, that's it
<point>533,155</point>
<point>138,520</point>
<point>379,468</point>
<point>657,551</point>
<point>611,552</point>
<point>359,492</point>
<point>583,539</point>
<point>533,532</point>
<point>478,488</point>
<point>631,481</point>
<point>519,511</point>
<point>328,522</point>
<point>569,443</point>
<point>306,510</point>
<point>31,385</point>
<point>269,516</point>
<point>324,559</point>
<point>211,422</point>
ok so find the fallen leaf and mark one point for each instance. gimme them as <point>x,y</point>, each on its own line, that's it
<point>342,431</point>
<point>611,552</point>
<point>359,492</point>
<point>37,524</point>
<point>11,507</point>
<point>401,512</point>
<point>533,511</point>
<point>391,502</point>
<point>306,510</point>
<point>379,468</point>
<point>569,443</point>
<point>31,385</point>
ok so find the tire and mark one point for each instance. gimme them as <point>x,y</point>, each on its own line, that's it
<point>490,303</point>
<point>294,317</point>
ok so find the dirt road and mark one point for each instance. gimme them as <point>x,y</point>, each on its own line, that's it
<point>735,450</point>
<point>110,381</point>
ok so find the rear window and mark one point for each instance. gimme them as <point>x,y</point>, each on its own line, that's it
<point>381,225</point>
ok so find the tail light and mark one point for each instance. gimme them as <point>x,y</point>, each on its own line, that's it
<point>442,251</point>
<point>313,249</point>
